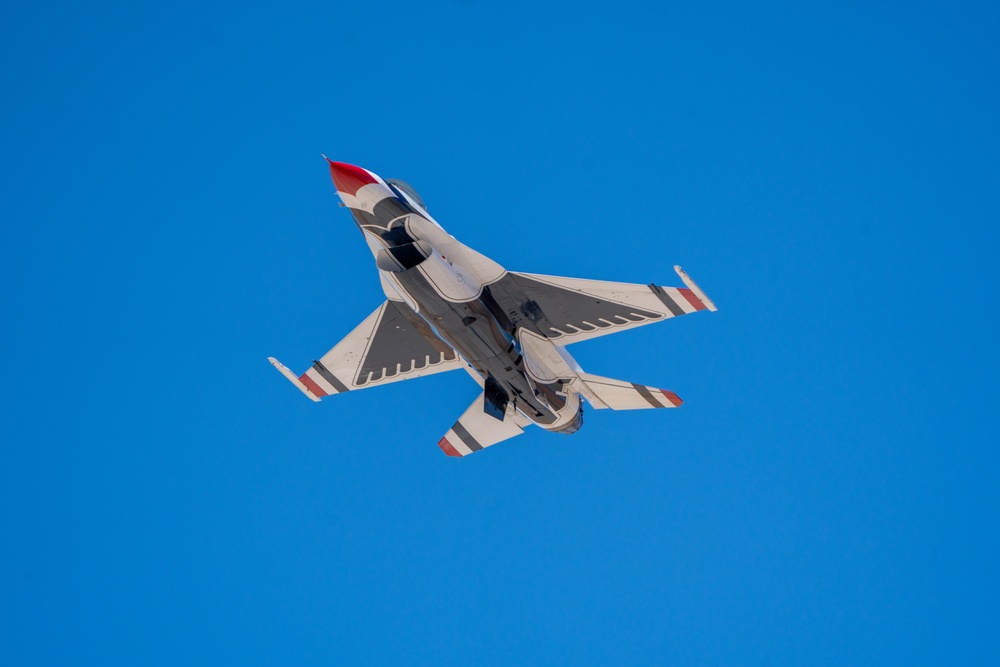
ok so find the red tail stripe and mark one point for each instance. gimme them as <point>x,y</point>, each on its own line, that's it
<point>311,385</point>
<point>447,448</point>
<point>672,397</point>
<point>692,299</point>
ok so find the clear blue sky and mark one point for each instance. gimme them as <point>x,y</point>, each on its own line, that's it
<point>826,495</point>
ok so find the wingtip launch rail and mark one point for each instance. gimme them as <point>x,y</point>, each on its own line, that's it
<point>293,379</point>
<point>693,286</point>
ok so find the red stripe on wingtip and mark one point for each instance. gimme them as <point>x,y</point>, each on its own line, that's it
<point>692,299</point>
<point>349,179</point>
<point>311,385</point>
<point>672,397</point>
<point>447,447</point>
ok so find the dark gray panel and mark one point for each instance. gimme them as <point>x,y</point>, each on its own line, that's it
<point>363,218</point>
<point>662,295</point>
<point>409,255</point>
<point>382,215</point>
<point>329,377</point>
<point>495,399</point>
<point>401,338</point>
<point>644,392</point>
<point>466,437</point>
<point>548,307</point>
<point>397,236</point>
<point>389,209</point>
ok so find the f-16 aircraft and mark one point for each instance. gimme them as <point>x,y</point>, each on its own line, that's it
<point>448,307</point>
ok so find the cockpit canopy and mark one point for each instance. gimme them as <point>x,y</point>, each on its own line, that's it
<point>406,189</point>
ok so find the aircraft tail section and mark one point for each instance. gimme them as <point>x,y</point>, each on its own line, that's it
<point>477,429</point>
<point>605,392</point>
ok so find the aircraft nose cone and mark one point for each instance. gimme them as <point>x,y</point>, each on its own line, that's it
<point>347,178</point>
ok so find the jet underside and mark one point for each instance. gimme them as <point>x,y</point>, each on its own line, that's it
<point>450,307</point>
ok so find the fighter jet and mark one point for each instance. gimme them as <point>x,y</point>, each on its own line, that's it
<point>448,307</point>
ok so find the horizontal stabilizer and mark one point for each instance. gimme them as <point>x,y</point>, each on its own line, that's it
<point>621,395</point>
<point>477,429</point>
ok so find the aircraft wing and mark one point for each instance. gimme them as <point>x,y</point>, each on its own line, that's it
<point>569,310</point>
<point>390,345</point>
